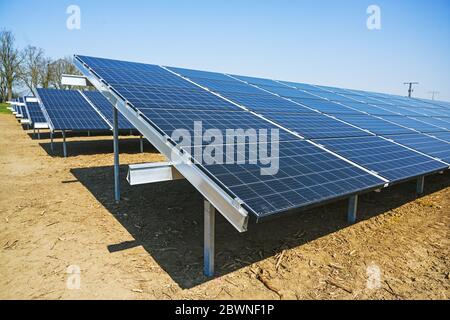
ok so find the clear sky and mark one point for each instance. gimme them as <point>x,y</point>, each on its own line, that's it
<point>322,42</point>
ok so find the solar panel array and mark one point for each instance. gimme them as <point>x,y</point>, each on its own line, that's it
<point>79,111</point>
<point>35,112</point>
<point>69,110</point>
<point>334,142</point>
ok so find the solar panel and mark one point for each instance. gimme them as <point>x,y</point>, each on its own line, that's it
<point>289,92</point>
<point>69,110</point>
<point>412,124</point>
<point>35,112</point>
<point>442,135</point>
<point>308,175</point>
<point>314,126</point>
<point>435,122</point>
<point>370,109</point>
<point>170,120</point>
<point>428,145</point>
<point>105,108</point>
<point>326,106</point>
<point>374,125</point>
<point>389,160</point>
<point>23,112</point>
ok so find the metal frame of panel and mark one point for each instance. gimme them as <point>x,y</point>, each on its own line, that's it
<point>229,207</point>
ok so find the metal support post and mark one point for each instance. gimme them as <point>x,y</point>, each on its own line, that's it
<point>64,144</point>
<point>208,249</point>
<point>116,155</point>
<point>420,185</point>
<point>352,209</point>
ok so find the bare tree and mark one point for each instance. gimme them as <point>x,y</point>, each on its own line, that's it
<point>33,66</point>
<point>60,67</point>
<point>10,61</point>
<point>46,73</point>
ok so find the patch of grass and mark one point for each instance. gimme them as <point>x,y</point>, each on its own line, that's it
<point>3,107</point>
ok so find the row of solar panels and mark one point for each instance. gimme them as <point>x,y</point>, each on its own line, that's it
<point>74,110</point>
<point>69,110</point>
<point>28,111</point>
<point>334,142</point>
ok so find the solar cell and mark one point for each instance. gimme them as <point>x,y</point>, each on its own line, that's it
<point>412,124</point>
<point>69,110</point>
<point>170,120</point>
<point>442,135</point>
<point>435,122</point>
<point>105,108</point>
<point>314,126</point>
<point>265,102</point>
<point>428,145</point>
<point>35,112</point>
<point>307,176</point>
<point>370,109</point>
<point>388,159</point>
<point>326,106</point>
<point>373,124</point>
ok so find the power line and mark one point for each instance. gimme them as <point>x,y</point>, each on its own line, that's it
<point>433,94</point>
<point>410,90</point>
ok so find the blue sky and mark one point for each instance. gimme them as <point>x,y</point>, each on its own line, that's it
<point>321,42</point>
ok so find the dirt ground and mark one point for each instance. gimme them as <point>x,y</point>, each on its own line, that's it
<point>56,213</point>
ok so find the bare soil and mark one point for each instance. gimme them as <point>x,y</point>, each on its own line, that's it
<point>56,213</point>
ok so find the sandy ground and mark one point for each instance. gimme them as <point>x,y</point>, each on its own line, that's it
<point>56,213</point>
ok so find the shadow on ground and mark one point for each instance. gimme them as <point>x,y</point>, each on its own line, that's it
<point>98,145</point>
<point>166,219</point>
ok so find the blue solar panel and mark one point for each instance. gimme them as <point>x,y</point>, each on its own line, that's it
<point>301,86</point>
<point>69,110</point>
<point>315,126</point>
<point>105,108</point>
<point>308,175</point>
<point>435,122</point>
<point>428,145</point>
<point>374,125</point>
<point>170,120</point>
<point>23,112</point>
<point>265,103</point>
<point>388,159</point>
<point>35,112</point>
<point>326,106</point>
<point>289,92</point>
<point>370,109</point>
<point>412,124</point>
<point>442,135</point>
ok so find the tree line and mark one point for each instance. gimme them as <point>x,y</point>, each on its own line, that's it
<point>28,68</point>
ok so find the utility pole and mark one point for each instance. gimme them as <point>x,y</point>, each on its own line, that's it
<point>433,94</point>
<point>410,90</point>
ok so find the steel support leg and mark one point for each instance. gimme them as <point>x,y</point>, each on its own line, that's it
<point>116,155</point>
<point>420,185</point>
<point>208,249</point>
<point>141,144</point>
<point>352,209</point>
<point>39,134</point>
<point>89,133</point>
<point>64,144</point>
<point>51,140</point>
